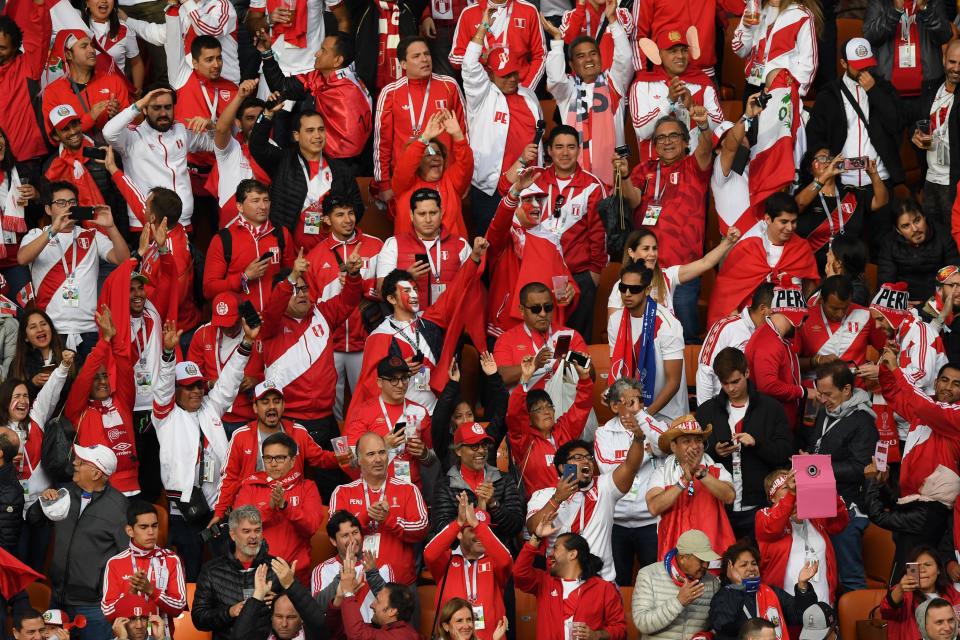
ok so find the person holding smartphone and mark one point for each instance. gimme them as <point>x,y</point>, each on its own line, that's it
<point>924,579</point>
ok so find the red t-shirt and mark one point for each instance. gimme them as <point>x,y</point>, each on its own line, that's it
<point>683,197</point>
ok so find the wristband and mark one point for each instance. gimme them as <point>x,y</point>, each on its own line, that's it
<point>703,127</point>
<point>513,194</point>
<point>700,474</point>
<point>681,485</point>
<point>163,250</point>
<point>266,54</point>
<point>423,140</point>
<point>485,25</point>
<point>816,186</point>
<point>51,234</point>
<point>135,107</point>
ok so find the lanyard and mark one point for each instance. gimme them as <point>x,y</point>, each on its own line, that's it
<point>415,126</point>
<point>222,363</point>
<point>386,416</point>
<point>906,20</point>
<point>63,255</point>
<point>140,339</point>
<point>470,581</point>
<point>533,342</point>
<point>826,323</point>
<point>657,191</point>
<point>434,266</point>
<point>216,101</point>
<point>415,342</point>
<point>366,499</point>
<point>829,212</point>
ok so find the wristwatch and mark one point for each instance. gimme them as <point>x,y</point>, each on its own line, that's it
<point>348,594</point>
<point>700,474</point>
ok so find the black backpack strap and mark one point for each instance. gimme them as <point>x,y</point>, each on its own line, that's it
<point>227,241</point>
<point>281,240</point>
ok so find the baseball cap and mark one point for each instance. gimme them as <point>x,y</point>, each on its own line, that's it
<point>695,542</point>
<point>669,38</point>
<point>818,620</point>
<point>501,62</point>
<point>266,387</point>
<point>392,366</point>
<point>62,115</point>
<point>721,130</point>
<point>471,433</point>
<point>100,456</point>
<point>188,373</point>
<point>142,277</point>
<point>59,618</point>
<point>533,190</point>
<point>134,606</point>
<point>225,310</point>
<point>859,54</point>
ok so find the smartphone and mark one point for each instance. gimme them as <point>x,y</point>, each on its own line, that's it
<point>854,164</point>
<point>623,151</point>
<point>270,104</point>
<point>541,127</point>
<point>248,313</point>
<point>913,570</point>
<point>880,455</point>
<point>562,347</point>
<point>417,357</point>
<point>400,427</point>
<point>570,471</point>
<point>81,214</point>
<point>48,368</point>
<point>580,358</point>
<point>421,257</point>
<point>94,153</point>
<point>267,255</point>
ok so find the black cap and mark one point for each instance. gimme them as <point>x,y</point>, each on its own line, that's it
<point>392,366</point>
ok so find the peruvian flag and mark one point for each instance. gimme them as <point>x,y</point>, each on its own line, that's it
<point>14,575</point>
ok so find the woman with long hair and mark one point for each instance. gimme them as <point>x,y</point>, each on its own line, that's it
<point>457,622</point>
<point>779,34</point>
<point>39,351</point>
<point>641,246</point>
<point>925,577</point>
<point>847,256</point>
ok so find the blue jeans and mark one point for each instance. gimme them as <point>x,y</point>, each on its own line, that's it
<point>685,298</point>
<point>848,547</point>
<point>97,626</point>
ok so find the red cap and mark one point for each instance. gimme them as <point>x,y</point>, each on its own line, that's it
<point>501,63</point>
<point>225,309</point>
<point>670,38</point>
<point>134,606</point>
<point>471,433</point>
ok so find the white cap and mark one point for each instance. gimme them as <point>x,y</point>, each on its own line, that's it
<point>188,373</point>
<point>266,387</point>
<point>100,456</point>
<point>57,509</point>
<point>62,114</point>
<point>859,54</point>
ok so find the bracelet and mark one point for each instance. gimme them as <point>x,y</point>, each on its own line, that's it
<point>485,25</point>
<point>513,194</point>
<point>264,55</point>
<point>424,140</point>
<point>51,234</point>
<point>700,474</point>
<point>135,107</point>
<point>703,127</point>
<point>553,503</point>
<point>681,485</point>
<point>816,186</point>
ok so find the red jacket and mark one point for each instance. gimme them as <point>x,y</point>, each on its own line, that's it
<point>245,450</point>
<point>583,240</point>
<point>902,620</point>
<point>288,530</point>
<point>218,276</point>
<point>298,354</point>
<point>654,16</point>
<point>452,186</point>
<point>204,351</point>
<point>102,86</point>
<point>405,526</point>
<point>369,417</point>
<point>448,264</point>
<point>345,105</point>
<point>775,369</point>
<point>191,104</point>
<point>596,602</point>
<point>774,536</point>
<point>489,573</point>
<point>323,278</point>
<point>171,599</point>
<point>18,118</point>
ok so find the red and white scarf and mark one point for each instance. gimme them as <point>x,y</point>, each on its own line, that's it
<point>388,67</point>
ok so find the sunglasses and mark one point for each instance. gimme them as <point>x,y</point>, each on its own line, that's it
<point>558,205</point>
<point>632,288</point>
<point>537,309</point>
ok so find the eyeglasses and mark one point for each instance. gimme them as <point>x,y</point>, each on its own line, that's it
<point>632,288</point>
<point>672,137</point>
<point>537,309</point>
<point>478,446</point>
<point>298,289</point>
<point>543,408</point>
<point>822,158</point>
<point>60,202</point>
<point>580,456</point>
<point>397,380</point>
<point>277,459</point>
<point>558,205</point>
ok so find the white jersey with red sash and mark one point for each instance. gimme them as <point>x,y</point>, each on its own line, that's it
<point>847,339</point>
<point>409,338</point>
<point>286,369</point>
<point>319,178</point>
<point>834,222</point>
<point>233,165</point>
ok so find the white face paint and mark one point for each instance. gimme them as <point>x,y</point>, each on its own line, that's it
<point>407,296</point>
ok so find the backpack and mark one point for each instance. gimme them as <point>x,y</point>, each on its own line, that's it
<point>56,452</point>
<point>227,241</point>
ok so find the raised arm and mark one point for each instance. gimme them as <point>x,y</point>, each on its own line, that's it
<point>224,129</point>
<point>713,257</point>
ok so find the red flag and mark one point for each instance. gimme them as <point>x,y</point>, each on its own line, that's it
<point>622,361</point>
<point>14,575</point>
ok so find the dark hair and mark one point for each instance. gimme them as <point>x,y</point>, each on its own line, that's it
<point>249,185</point>
<point>422,194</point>
<point>281,275</point>
<point>449,608</point>
<point>344,47</point>
<point>336,200</point>
<point>166,204</point>
<point>590,565</point>
<point>838,371</point>
<point>562,130</point>
<point>7,387</point>
<point>839,286</point>
<point>640,269</point>
<point>9,446</point>
<point>19,365</point>
<point>202,42</point>
<point>281,439</point>
<point>405,43</point>
<point>61,185</point>
<point>306,113</point>
<point>935,603</point>
<point>563,452</point>
<point>337,518</point>
<point>19,615</point>
<point>778,203</point>
<point>12,30</point>
<point>905,205</point>
<point>754,626</point>
<point>400,598</point>
<point>950,365</point>
<point>137,508</point>
<point>684,129</point>
<point>942,583</point>
<point>531,287</point>
<point>729,361</point>
<point>762,295</point>
<point>9,160</point>
<point>633,241</point>
<point>250,102</point>
<point>733,552</point>
<point>805,170</point>
<point>852,254</point>
<point>579,40</point>
<point>536,396</point>
<point>389,286</point>
<point>161,85</point>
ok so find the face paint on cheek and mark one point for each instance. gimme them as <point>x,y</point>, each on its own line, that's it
<point>409,299</point>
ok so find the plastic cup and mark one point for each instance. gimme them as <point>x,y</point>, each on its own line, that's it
<point>340,446</point>
<point>560,285</point>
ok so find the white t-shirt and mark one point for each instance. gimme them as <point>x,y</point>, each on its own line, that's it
<point>67,319</point>
<point>806,535</point>
<point>120,51</point>
<point>858,142</point>
<point>597,529</point>
<point>735,415</point>
<point>671,278</point>
<point>939,172</point>
<point>387,259</point>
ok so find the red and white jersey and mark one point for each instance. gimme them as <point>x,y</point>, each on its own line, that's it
<point>577,231</point>
<point>329,570</point>
<point>409,337</point>
<point>920,359</point>
<point>295,59</point>
<point>671,280</point>
<point>846,339</point>
<point>649,101</point>
<point>73,257</point>
<point>381,417</point>
<point>784,39</point>
<point>394,539</point>
<point>210,348</point>
<point>733,331</point>
<point>514,344</point>
<point>120,47</point>
<point>515,27</point>
<point>585,19</point>
<point>445,255</point>
<point>163,570</point>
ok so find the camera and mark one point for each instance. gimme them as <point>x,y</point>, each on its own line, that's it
<point>212,533</point>
<point>763,98</point>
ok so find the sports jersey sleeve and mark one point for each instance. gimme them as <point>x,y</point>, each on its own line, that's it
<point>559,84</point>
<point>230,479</point>
<point>670,339</point>
<point>383,139</point>
<point>387,260</point>
<point>412,524</point>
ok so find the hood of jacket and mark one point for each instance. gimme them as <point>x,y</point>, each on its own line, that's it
<point>859,401</point>
<point>921,617</point>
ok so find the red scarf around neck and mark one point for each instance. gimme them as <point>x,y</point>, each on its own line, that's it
<point>70,166</point>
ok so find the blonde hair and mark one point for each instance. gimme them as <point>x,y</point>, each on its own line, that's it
<point>658,283</point>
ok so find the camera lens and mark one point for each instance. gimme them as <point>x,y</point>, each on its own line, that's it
<point>813,471</point>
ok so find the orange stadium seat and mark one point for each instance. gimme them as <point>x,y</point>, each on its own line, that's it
<point>321,548</point>
<point>600,356</point>
<point>184,623</point>
<point>608,278</point>
<point>856,605</point>
<point>526,624</point>
<point>878,550</point>
<point>427,595</point>
<point>847,28</point>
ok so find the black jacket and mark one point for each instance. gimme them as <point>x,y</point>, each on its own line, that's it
<point>851,443</point>
<point>507,520</point>
<point>950,334</point>
<point>255,619</point>
<point>495,414</point>
<point>898,260</point>
<point>220,585</point>
<point>11,508</point>
<point>727,609</point>
<point>286,169</point>
<point>368,37</point>
<point>767,423</point>
<point>828,125</point>
<point>84,542</point>
<point>881,26</point>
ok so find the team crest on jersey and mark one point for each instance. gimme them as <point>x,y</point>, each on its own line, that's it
<point>847,208</point>
<point>576,210</point>
<point>84,243</point>
<point>224,94</point>
<point>441,104</point>
<point>675,177</point>
<point>520,23</point>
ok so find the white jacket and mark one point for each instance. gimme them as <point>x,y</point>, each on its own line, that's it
<point>155,159</point>
<point>179,430</point>
<point>488,136</point>
<point>40,413</point>
<point>732,331</point>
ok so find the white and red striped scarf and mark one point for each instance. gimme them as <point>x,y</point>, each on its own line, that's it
<point>388,67</point>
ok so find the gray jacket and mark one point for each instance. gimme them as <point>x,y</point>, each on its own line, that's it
<point>8,343</point>
<point>657,613</point>
<point>881,24</point>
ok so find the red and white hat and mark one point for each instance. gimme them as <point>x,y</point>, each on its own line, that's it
<point>133,606</point>
<point>501,63</point>
<point>471,433</point>
<point>62,115</point>
<point>188,373</point>
<point>265,387</point>
<point>225,309</point>
<point>721,130</point>
<point>859,54</point>
<point>788,301</point>
<point>683,426</point>
<point>893,303</point>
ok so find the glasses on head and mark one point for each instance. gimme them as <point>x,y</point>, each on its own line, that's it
<point>277,459</point>
<point>543,408</point>
<point>664,137</point>
<point>537,309</point>
<point>558,205</point>
<point>61,202</point>
<point>398,380</point>
<point>578,457</point>
<point>632,288</point>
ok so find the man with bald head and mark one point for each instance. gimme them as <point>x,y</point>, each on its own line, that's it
<point>11,493</point>
<point>392,514</point>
